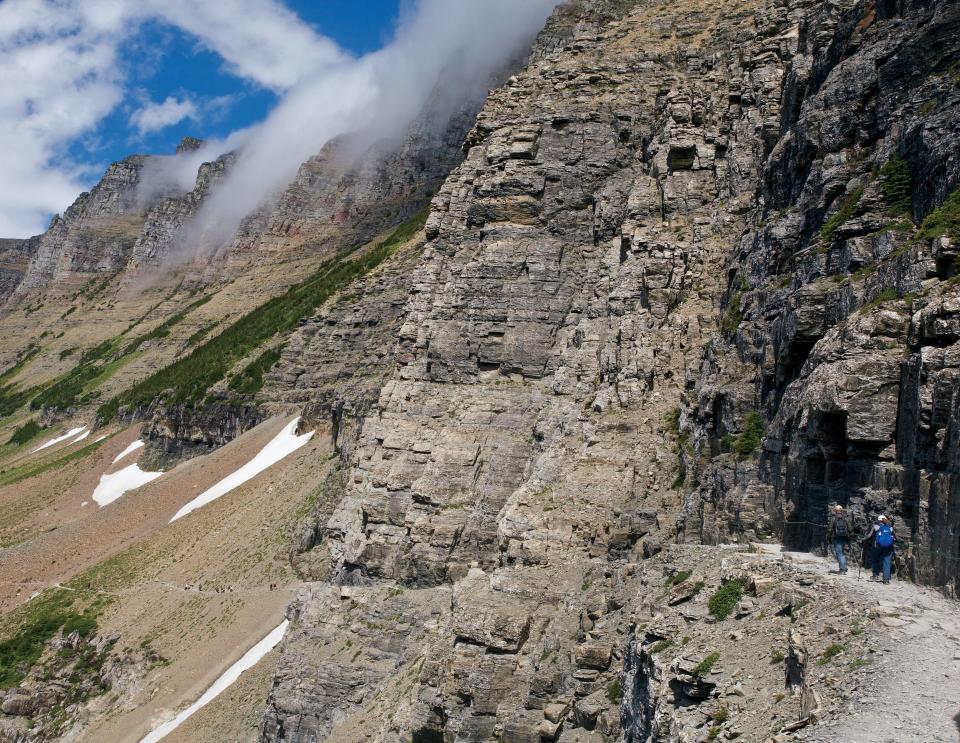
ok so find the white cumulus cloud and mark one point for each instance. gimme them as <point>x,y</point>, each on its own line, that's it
<point>155,116</point>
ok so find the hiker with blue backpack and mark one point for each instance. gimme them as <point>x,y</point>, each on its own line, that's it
<point>881,539</point>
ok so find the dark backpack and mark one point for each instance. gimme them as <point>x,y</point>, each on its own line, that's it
<point>884,536</point>
<point>840,527</point>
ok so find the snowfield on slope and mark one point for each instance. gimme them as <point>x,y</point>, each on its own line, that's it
<point>282,445</point>
<point>68,435</point>
<point>249,660</point>
<point>129,450</point>
<point>114,484</point>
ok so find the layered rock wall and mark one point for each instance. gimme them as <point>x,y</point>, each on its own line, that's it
<point>521,459</point>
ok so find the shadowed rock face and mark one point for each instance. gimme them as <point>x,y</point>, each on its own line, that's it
<point>848,342</point>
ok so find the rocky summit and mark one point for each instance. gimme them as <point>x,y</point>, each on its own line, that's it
<point>579,373</point>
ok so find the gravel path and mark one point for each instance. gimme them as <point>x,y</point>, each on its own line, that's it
<point>914,697</point>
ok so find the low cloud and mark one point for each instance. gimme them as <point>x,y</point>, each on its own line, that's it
<point>445,49</point>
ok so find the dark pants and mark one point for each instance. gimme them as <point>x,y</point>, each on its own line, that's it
<point>882,560</point>
<point>839,545</point>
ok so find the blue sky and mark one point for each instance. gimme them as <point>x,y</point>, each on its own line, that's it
<point>166,61</point>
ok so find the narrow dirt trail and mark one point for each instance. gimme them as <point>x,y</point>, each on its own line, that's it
<point>914,696</point>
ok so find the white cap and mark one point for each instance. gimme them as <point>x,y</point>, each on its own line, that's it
<point>882,517</point>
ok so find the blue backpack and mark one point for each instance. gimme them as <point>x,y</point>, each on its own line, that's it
<point>884,536</point>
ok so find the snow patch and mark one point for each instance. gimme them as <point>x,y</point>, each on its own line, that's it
<point>81,437</point>
<point>132,448</point>
<point>249,660</point>
<point>283,444</point>
<point>99,438</point>
<point>115,484</point>
<point>68,435</point>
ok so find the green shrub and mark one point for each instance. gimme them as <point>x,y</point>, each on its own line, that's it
<point>660,646</point>
<point>32,469</point>
<point>897,185</point>
<point>200,334</point>
<point>677,578</point>
<point>22,358</point>
<point>706,665</point>
<point>749,439</point>
<point>725,598</point>
<point>83,624</point>
<point>40,622</point>
<point>671,421</point>
<point>944,220</point>
<point>831,651</point>
<point>163,329</point>
<point>681,477</point>
<point>615,691</point>
<point>847,209</point>
<point>887,295</point>
<point>26,432</point>
<point>250,380</point>
<point>732,316</point>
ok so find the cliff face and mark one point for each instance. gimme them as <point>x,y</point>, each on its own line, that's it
<point>679,233</point>
<point>521,457</point>
<point>847,342</point>
<point>95,235</point>
<point>15,256</point>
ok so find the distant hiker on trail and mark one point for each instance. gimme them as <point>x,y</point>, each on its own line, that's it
<point>881,539</point>
<point>839,536</point>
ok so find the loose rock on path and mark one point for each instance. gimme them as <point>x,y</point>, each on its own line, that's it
<point>914,696</point>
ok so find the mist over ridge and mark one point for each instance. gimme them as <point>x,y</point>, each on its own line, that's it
<point>443,51</point>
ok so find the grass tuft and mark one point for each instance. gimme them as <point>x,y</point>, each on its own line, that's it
<point>706,665</point>
<point>847,209</point>
<point>944,220</point>
<point>725,598</point>
<point>831,651</point>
